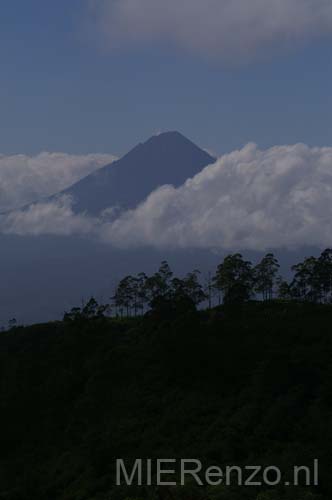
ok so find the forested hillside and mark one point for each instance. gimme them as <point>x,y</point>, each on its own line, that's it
<point>249,384</point>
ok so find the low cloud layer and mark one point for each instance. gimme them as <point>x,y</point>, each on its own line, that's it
<point>249,199</point>
<point>234,30</point>
<point>54,217</point>
<point>25,179</point>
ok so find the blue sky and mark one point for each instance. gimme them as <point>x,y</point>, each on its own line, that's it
<point>62,90</point>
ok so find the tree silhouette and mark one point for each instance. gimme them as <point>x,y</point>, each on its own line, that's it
<point>142,296</point>
<point>325,274</point>
<point>90,310</point>
<point>234,279</point>
<point>159,284</point>
<point>265,275</point>
<point>284,290</point>
<point>193,287</point>
<point>125,297</point>
<point>305,285</point>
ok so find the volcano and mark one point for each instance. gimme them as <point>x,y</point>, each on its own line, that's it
<point>168,158</point>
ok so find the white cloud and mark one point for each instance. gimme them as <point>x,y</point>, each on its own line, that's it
<point>54,217</point>
<point>231,29</point>
<point>248,199</point>
<point>25,179</point>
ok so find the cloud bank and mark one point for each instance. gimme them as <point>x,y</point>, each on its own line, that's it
<point>229,29</point>
<point>25,179</point>
<point>249,199</point>
<point>54,217</point>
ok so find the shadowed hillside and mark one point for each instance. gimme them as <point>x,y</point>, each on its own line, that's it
<point>251,386</point>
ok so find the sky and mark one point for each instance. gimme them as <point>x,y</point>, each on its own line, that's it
<point>83,81</point>
<point>82,76</point>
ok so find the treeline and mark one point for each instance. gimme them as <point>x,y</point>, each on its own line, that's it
<point>235,281</point>
<point>252,388</point>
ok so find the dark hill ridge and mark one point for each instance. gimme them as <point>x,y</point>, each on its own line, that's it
<point>168,158</point>
<point>253,387</point>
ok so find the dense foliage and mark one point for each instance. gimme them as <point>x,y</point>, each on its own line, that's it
<point>235,282</point>
<point>231,385</point>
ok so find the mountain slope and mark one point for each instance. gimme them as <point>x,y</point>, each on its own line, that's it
<point>168,158</point>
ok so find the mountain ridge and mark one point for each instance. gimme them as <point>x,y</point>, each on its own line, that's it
<point>167,158</point>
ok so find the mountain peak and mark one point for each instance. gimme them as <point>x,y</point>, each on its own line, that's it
<point>168,133</point>
<point>170,136</point>
<point>166,158</point>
